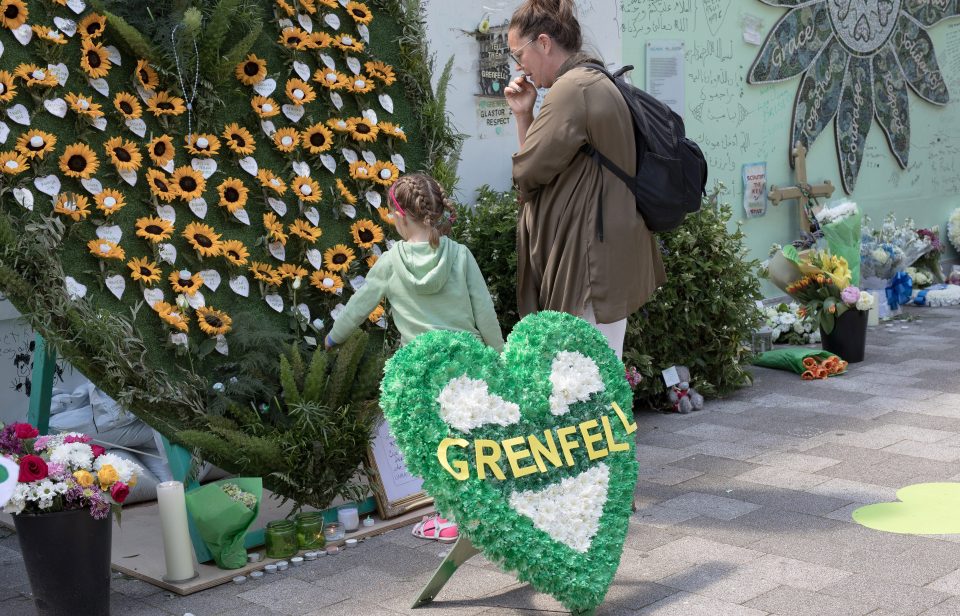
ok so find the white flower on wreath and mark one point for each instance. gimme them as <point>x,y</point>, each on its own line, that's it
<point>865,301</point>
<point>467,403</point>
<point>574,377</point>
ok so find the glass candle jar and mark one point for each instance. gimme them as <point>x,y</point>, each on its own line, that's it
<point>334,531</point>
<point>281,539</point>
<point>310,530</point>
<point>349,516</point>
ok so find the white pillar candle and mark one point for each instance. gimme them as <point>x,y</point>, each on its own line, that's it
<point>349,517</point>
<point>177,548</point>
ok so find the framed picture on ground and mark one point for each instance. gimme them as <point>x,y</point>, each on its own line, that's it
<point>394,488</point>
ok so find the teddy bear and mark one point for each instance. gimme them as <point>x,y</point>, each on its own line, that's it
<point>682,396</point>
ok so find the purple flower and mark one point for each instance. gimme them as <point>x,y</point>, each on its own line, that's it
<point>41,442</point>
<point>9,443</point>
<point>850,295</point>
<point>57,470</point>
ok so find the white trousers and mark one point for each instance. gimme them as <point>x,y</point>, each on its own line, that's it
<point>614,332</point>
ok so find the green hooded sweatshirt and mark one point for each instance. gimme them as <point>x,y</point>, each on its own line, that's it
<point>427,289</point>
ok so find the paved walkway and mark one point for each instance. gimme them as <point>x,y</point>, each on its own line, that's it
<point>744,511</point>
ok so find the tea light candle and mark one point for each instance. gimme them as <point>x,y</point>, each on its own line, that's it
<point>331,550</point>
<point>282,565</point>
<point>351,543</point>
<point>270,568</point>
<point>240,579</point>
<point>310,556</point>
<point>296,561</point>
<point>177,548</point>
<point>368,522</point>
<point>349,516</point>
<point>256,575</point>
<point>253,557</point>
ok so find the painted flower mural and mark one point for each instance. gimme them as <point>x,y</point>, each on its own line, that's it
<point>857,59</point>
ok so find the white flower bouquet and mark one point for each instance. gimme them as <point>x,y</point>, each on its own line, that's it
<point>788,326</point>
<point>891,249</point>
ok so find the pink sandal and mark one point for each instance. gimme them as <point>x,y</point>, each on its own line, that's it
<point>436,528</point>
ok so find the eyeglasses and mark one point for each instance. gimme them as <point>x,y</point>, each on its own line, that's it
<point>514,55</point>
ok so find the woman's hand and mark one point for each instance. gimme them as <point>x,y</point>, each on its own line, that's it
<point>521,95</point>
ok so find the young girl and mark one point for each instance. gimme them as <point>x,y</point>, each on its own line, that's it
<point>431,282</point>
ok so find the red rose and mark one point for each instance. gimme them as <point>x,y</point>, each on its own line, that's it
<point>119,491</point>
<point>32,468</point>
<point>97,451</point>
<point>25,430</point>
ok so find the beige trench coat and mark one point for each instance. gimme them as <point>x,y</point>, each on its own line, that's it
<point>561,262</point>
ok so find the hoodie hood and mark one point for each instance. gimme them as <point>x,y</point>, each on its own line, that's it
<point>424,268</point>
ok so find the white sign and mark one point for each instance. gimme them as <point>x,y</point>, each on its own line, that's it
<point>755,189</point>
<point>665,73</point>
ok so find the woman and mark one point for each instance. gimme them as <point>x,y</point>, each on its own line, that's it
<point>582,247</point>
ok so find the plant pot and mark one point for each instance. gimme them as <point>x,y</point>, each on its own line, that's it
<point>67,556</point>
<point>849,336</point>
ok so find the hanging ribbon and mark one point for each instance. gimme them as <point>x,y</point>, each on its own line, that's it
<point>191,96</point>
<point>900,290</point>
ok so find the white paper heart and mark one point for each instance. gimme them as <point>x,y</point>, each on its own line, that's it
<point>364,32</point>
<point>266,87</point>
<point>67,26</point>
<point>312,215</point>
<point>23,34</point>
<point>278,251</point>
<point>304,311</point>
<point>1,49</point>
<point>294,113</point>
<point>19,114</point>
<point>222,347</point>
<point>75,290</point>
<point>386,102</point>
<point>199,207</point>
<point>100,85</point>
<point>211,279</point>
<point>369,156</point>
<point>100,123</point>
<point>268,128</point>
<point>196,300</point>
<point>24,197</point>
<point>397,160</point>
<point>302,70</point>
<point>167,212</point>
<point>376,250</point>
<point>152,296</point>
<point>168,253</point>
<point>349,155</point>
<point>4,132</point>
<point>249,164</point>
<point>242,216</point>
<point>284,23</point>
<point>56,106</point>
<point>169,166</point>
<point>143,93</point>
<point>179,339</point>
<point>274,301</point>
<point>373,198</point>
<point>329,162</point>
<point>371,115</point>
<point>61,71</point>
<point>358,282</point>
<point>305,22</point>
<point>337,100</point>
<point>113,54</point>
<point>315,257</point>
<point>77,6</point>
<point>277,206</point>
<point>332,20</point>
<point>110,232</point>
<point>48,185</point>
<point>138,127</point>
<point>349,210</point>
<point>328,61</point>
<point>240,285</point>
<point>300,168</point>
<point>337,311</point>
<point>93,186</point>
<point>129,176</point>
<point>353,64</point>
<point>206,166</point>
<point>116,284</point>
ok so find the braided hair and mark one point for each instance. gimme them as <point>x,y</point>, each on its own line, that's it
<point>423,200</point>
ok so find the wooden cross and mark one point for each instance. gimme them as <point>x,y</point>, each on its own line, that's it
<point>802,191</point>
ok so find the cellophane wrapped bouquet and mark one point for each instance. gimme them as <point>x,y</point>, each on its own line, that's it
<point>889,250</point>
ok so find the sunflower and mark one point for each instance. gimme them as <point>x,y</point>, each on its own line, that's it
<point>84,106</point>
<point>239,140</point>
<point>392,130</point>
<point>284,6</point>
<point>339,126</point>
<point>300,92</point>
<point>143,270</point>
<point>8,87</point>
<point>346,42</point>
<point>386,215</point>
<point>50,35</point>
<point>234,251</point>
<point>172,316</point>
<point>305,231</point>
<point>359,12</point>
<point>79,161</point>
<point>328,282</point>
<point>251,71</point>
<point>268,179</point>
<point>36,77</point>
<point>72,205</point>
<point>36,143</point>
<point>13,14</point>
<point>264,107</point>
<point>202,144</point>
<point>330,78</point>
<point>345,193</point>
<point>274,228</point>
<point>13,163</point>
<point>128,106</point>
<point>338,258</point>
<point>377,314</point>
<point>383,72</point>
<point>94,59</point>
<point>203,238</point>
<point>321,40</point>
<point>185,282</point>
<point>317,139</point>
<point>147,76</point>
<point>360,170</point>
<point>372,260</point>
<point>366,233</point>
<point>291,271</point>
<point>264,273</point>
<point>161,150</point>
<point>286,139</point>
<point>362,129</point>
<point>306,189</point>
<point>110,201</point>
<point>213,322</point>
<point>296,39</point>
<point>124,154</point>
<point>105,249</point>
<point>161,104</point>
<point>189,182</point>
<point>92,26</point>
<point>154,229</point>
<point>233,194</point>
<point>360,84</point>
<point>385,173</point>
<point>330,4</point>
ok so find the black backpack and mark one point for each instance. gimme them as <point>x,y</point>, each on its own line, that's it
<point>671,174</point>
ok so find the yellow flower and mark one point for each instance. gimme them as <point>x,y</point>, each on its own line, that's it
<point>381,71</point>
<point>284,6</point>
<point>360,84</point>
<point>291,271</point>
<point>372,260</point>
<point>92,26</point>
<point>377,314</point>
<point>79,161</point>
<point>320,39</point>
<point>105,249</point>
<point>13,163</point>
<point>8,87</point>
<point>233,194</point>
<point>144,270</point>
<point>317,139</point>
<point>274,228</point>
<point>251,71</point>
<point>392,130</point>
<point>234,251</point>
<point>84,106</point>
<point>189,182</point>
<point>123,154</point>
<point>239,140</point>
<point>385,173</point>
<point>161,150</point>
<point>213,322</point>
<point>202,145</point>
<point>328,282</point>
<point>203,238</point>
<point>366,233</point>
<point>338,125</point>
<point>386,215</point>
<point>147,76</point>
<point>330,78</point>
<point>264,273</point>
<point>269,180</point>
<point>296,39</point>
<point>338,258</point>
<point>359,12</point>
<point>162,103</point>
<point>185,282</point>
<point>161,186</point>
<point>49,34</point>
<point>36,143</point>
<point>300,92</point>
<point>363,130</point>
<point>360,170</point>
<point>345,193</point>
<point>264,107</point>
<point>346,42</point>
<point>128,106</point>
<point>72,205</point>
<point>94,59</point>
<point>154,229</point>
<point>286,139</point>
<point>13,14</point>
<point>172,316</point>
<point>306,189</point>
<point>305,231</point>
<point>36,77</point>
<point>84,478</point>
<point>110,201</point>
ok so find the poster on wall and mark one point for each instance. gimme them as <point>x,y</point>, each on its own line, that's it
<point>494,118</point>
<point>665,73</point>
<point>755,189</point>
